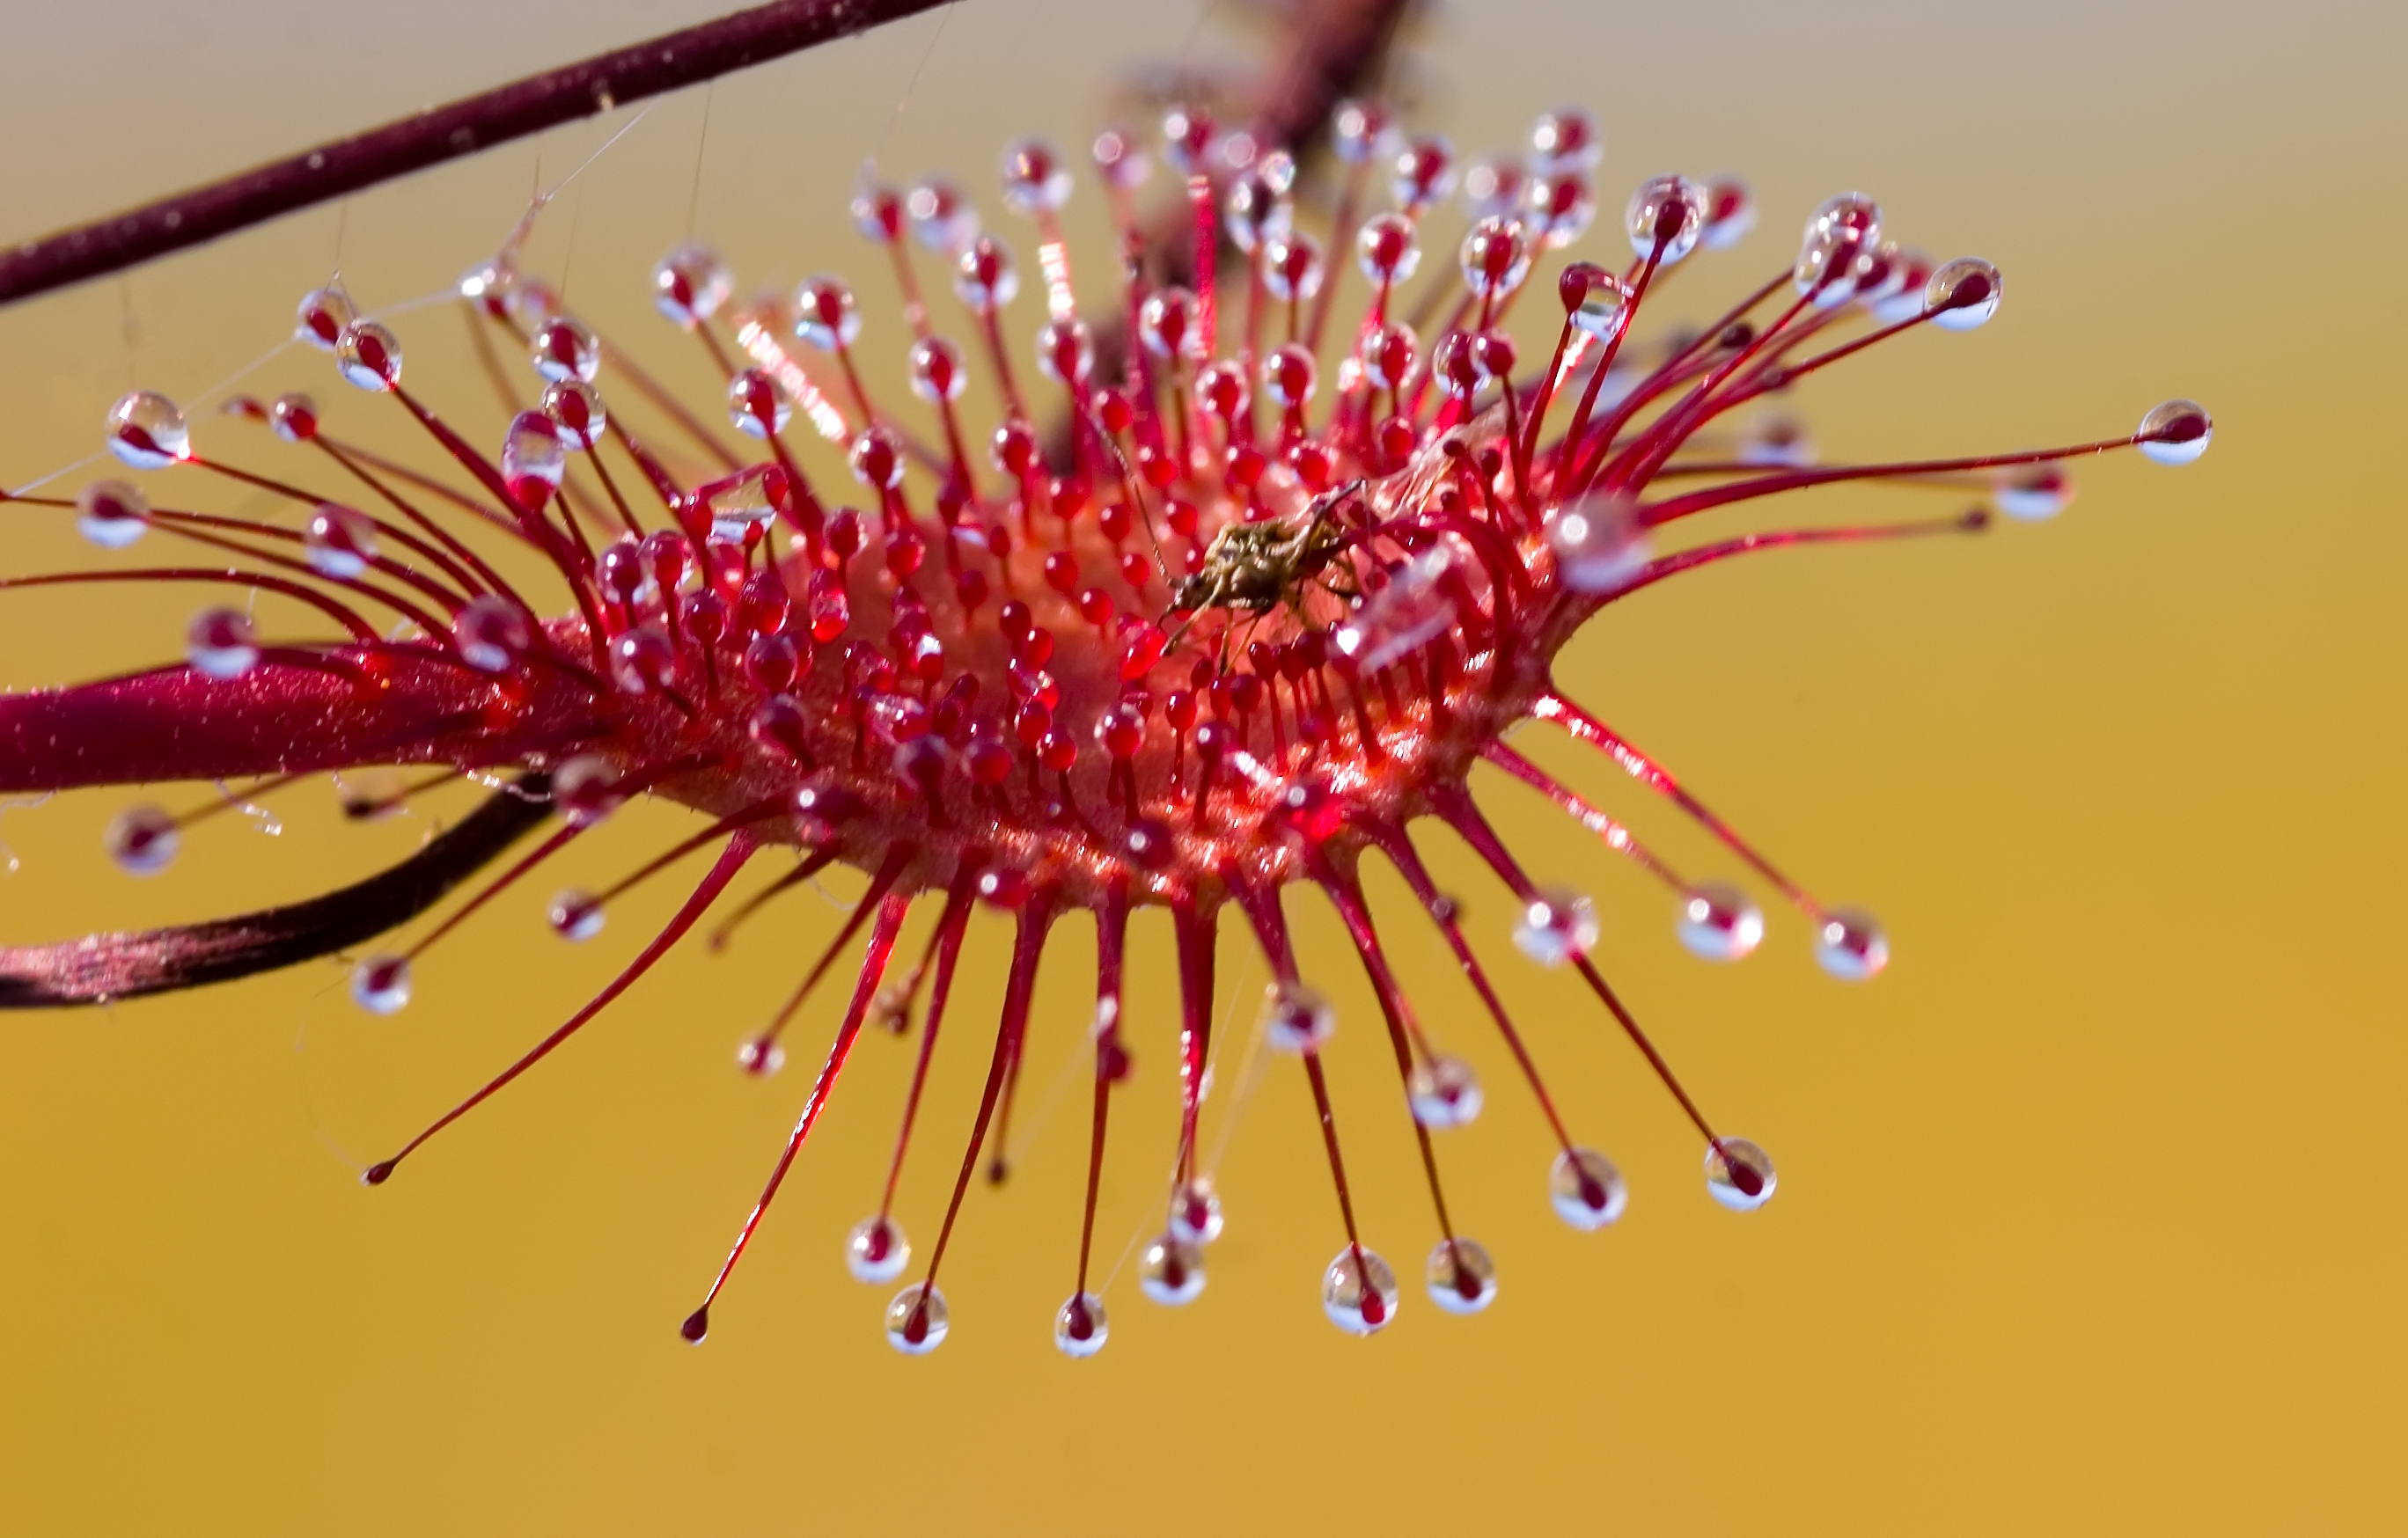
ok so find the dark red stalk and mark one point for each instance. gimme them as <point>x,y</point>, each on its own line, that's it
<point>100,968</point>
<point>544,100</point>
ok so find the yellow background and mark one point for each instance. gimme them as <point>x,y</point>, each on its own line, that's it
<point>2089,1218</point>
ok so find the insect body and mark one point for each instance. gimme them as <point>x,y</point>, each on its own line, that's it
<point>1258,566</point>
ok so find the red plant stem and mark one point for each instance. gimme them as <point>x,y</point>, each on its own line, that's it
<point>543,100</point>
<point>731,861</point>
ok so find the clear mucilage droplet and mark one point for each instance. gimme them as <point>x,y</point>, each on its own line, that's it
<point>758,405</point>
<point>1839,242</point>
<point>1442,1091</point>
<point>2175,433</point>
<point>2032,492</point>
<point>1460,1276</point>
<point>1963,294</point>
<point>1665,218</point>
<point>142,839</point>
<point>1080,1328</point>
<point>916,1321</point>
<point>1556,927</point>
<point>1850,945</point>
<point>112,514</point>
<point>380,984</point>
<point>876,1251</point>
<point>1598,543</point>
<point>585,790</point>
<point>1171,1271</point>
<point>340,541</point>
<point>576,411</point>
<point>490,634</point>
<point>321,316</point>
<point>564,349</point>
<point>575,913</point>
<point>1740,1174</point>
<point>368,356</point>
<point>1719,922</point>
<point>1360,1292</point>
<point>1585,1188</point>
<point>1299,1019</point>
<point>220,645</point>
<point>146,430</point>
<point>1196,1212</point>
<point>690,284</point>
<point>826,313</point>
<point>1036,178</point>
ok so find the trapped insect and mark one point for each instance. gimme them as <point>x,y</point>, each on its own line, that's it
<point>1377,533</point>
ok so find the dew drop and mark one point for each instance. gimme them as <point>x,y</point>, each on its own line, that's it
<point>1171,1271</point>
<point>1740,1174</point>
<point>1462,1278</point>
<point>1585,1188</point>
<point>368,356</point>
<point>142,840</point>
<point>1719,922</point>
<point>112,514</point>
<point>916,1321</point>
<point>1196,1212</point>
<point>1385,249</point>
<point>380,984</point>
<point>1299,1019</point>
<point>875,1251</point>
<point>1963,294</point>
<point>1358,1291</point>
<point>321,317</point>
<point>220,645</point>
<point>1443,1092</point>
<point>1079,1329</point>
<point>1850,945</point>
<point>146,430</point>
<point>2175,433</point>
<point>1599,544</point>
<point>690,284</point>
<point>575,913</point>
<point>340,541</point>
<point>1556,927</point>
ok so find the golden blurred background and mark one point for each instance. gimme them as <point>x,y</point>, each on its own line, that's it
<point>2087,1220</point>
